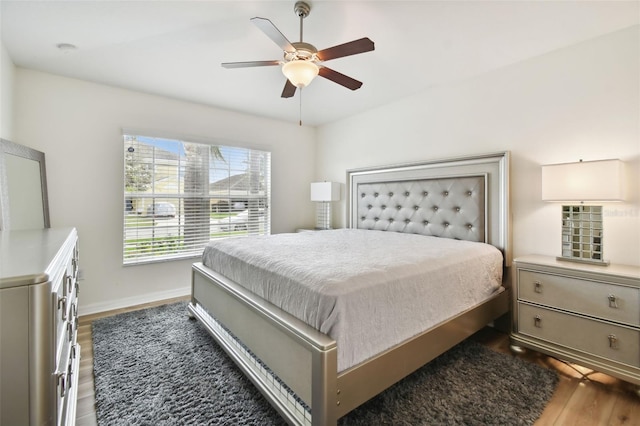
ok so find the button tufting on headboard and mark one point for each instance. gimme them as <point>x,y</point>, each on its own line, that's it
<point>443,207</point>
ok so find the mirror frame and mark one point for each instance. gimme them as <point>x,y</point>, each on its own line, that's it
<point>11,148</point>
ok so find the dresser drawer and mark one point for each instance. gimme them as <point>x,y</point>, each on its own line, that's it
<point>61,312</point>
<point>65,301</point>
<point>71,274</point>
<point>597,299</point>
<point>598,338</point>
<point>67,382</point>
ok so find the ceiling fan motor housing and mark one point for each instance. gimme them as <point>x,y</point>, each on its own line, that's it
<point>304,52</point>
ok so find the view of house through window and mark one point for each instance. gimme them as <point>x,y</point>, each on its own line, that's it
<point>179,195</point>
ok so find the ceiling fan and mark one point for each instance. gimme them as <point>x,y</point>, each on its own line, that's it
<point>302,62</point>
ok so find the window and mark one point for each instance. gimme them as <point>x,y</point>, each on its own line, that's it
<point>179,195</point>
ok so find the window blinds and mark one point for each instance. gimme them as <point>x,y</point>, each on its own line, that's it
<point>179,195</point>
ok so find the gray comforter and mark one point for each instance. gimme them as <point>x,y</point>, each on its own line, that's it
<point>368,290</point>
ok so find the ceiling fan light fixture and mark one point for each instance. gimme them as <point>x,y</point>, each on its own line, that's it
<point>300,72</point>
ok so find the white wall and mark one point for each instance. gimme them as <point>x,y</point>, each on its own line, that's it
<point>580,102</point>
<point>7,72</point>
<point>79,127</point>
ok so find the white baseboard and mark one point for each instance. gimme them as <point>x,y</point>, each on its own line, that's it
<point>127,302</point>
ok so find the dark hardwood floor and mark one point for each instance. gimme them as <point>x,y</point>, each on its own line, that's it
<point>583,397</point>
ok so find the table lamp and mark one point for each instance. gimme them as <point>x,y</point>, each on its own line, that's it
<point>584,184</point>
<point>324,193</point>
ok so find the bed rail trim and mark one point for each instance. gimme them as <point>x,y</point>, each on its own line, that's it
<point>302,357</point>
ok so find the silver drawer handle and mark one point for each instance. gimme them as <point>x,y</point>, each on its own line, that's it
<point>613,341</point>
<point>537,287</point>
<point>69,280</point>
<point>62,382</point>
<point>70,376</point>
<point>62,305</point>
<point>537,321</point>
<point>70,331</point>
<point>613,301</point>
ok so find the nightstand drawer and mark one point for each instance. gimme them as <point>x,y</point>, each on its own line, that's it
<point>598,338</point>
<point>596,299</point>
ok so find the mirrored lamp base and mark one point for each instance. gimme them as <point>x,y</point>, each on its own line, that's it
<point>323,215</point>
<point>582,234</point>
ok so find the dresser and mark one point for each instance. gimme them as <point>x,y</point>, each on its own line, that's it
<point>39,354</point>
<point>586,314</point>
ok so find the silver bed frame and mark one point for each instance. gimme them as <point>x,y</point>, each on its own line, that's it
<point>265,341</point>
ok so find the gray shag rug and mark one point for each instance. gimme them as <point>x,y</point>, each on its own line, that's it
<point>158,367</point>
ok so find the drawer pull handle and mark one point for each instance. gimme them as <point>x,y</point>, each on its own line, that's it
<point>69,280</point>
<point>537,287</point>
<point>613,341</point>
<point>70,376</point>
<point>70,331</point>
<point>537,321</point>
<point>62,305</point>
<point>613,301</point>
<point>62,382</point>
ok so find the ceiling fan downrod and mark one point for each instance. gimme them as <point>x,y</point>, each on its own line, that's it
<point>302,10</point>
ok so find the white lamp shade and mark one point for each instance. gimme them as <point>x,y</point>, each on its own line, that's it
<point>300,72</point>
<point>588,181</point>
<point>325,191</point>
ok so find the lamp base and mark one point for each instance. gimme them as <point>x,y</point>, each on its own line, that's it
<point>582,234</point>
<point>587,261</point>
<point>323,215</point>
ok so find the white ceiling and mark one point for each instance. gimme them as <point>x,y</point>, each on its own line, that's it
<point>174,48</point>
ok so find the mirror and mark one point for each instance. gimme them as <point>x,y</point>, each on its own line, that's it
<point>23,188</point>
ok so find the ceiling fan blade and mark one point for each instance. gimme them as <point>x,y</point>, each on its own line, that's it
<point>351,48</point>
<point>249,64</point>
<point>339,78</point>
<point>273,33</point>
<point>289,90</point>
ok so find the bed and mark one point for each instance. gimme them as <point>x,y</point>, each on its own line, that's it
<point>311,333</point>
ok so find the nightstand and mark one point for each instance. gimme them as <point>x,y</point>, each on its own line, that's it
<point>585,314</point>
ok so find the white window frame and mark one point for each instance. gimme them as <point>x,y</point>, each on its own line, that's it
<point>179,195</point>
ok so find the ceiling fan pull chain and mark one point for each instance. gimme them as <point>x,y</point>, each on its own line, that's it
<point>300,113</point>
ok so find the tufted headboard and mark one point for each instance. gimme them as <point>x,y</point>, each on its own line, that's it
<point>448,207</point>
<point>463,198</point>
